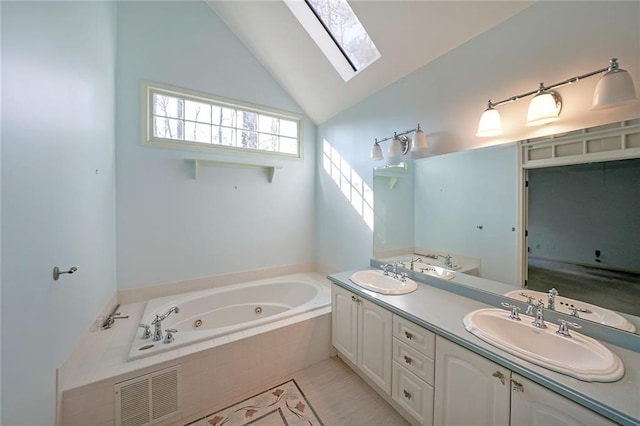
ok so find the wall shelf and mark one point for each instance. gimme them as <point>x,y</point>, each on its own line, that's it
<point>198,163</point>
<point>391,172</point>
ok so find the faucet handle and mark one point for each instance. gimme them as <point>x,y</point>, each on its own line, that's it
<point>385,268</point>
<point>147,330</point>
<point>514,311</point>
<point>168,338</point>
<point>563,330</point>
<point>403,277</point>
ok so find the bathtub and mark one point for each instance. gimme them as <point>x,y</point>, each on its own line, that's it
<point>223,311</point>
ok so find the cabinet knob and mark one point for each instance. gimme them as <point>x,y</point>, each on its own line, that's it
<point>407,394</point>
<point>500,376</point>
<point>353,299</point>
<point>408,335</point>
<point>516,387</point>
<point>407,360</point>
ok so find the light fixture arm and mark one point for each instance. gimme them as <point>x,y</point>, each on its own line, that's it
<point>613,66</point>
<point>401,135</point>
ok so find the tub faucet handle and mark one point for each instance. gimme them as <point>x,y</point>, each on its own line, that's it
<point>168,338</point>
<point>146,334</point>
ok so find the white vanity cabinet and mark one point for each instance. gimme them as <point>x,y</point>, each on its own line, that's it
<point>470,389</point>
<point>361,332</point>
<point>535,405</point>
<point>413,369</point>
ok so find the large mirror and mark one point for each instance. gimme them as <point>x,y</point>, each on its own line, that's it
<point>582,220</point>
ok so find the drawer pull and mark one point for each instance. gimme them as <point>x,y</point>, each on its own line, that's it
<point>407,394</point>
<point>408,335</point>
<point>407,360</point>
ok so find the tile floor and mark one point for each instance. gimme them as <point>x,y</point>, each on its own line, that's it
<point>338,395</point>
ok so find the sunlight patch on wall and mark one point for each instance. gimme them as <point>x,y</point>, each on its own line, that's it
<point>353,187</point>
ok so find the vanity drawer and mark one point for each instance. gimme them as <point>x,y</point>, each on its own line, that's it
<point>412,394</point>
<point>413,360</point>
<point>414,335</point>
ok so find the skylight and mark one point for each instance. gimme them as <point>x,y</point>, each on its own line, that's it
<point>338,32</point>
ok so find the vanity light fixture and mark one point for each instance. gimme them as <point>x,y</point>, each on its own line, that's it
<point>400,144</point>
<point>615,88</point>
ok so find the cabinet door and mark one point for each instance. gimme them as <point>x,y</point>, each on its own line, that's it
<point>374,343</point>
<point>534,405</point>
<point>344,322</point>
<point>469,389</point>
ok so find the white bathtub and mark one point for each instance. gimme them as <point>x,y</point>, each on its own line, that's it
<point>226,310</point>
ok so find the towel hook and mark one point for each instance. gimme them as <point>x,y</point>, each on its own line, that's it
<point>57,272</point>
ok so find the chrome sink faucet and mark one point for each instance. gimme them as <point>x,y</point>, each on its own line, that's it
<point>539,320</point>
<point>551,299</point>
<point>385,268</point>
<point>157,323</point>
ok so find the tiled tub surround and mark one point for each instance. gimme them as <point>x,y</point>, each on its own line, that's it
<point>442,312</point>
<point>214,371</point>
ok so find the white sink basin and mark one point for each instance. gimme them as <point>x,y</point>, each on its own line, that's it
<point>577,356</point>
<point>380,283</point>
<point>438,272</point>
<point>564,305</point>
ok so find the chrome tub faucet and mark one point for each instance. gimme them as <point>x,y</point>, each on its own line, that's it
<point>157,323</point>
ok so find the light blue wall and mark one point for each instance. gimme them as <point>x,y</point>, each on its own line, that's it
<point>58,190</point>
<point>171,227</point>
<point>550,41</point>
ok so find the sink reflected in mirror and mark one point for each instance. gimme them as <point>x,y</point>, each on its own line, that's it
<point>438,272</point>
<point>583,310</point>
<point>575,355</point>
<point>378,282</point>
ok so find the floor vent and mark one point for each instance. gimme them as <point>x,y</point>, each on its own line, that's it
<point>149,399</point>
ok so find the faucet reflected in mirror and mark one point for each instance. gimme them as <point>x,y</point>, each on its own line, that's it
<point>596,246</point>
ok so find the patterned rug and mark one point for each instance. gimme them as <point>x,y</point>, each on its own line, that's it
<point>284,404</point>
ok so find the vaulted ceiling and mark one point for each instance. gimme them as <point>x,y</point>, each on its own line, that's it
<point>409,35</point>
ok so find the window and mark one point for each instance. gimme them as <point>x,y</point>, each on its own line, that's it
<point>185,119</point>
<point>347,32</point>
<point>337,31</point>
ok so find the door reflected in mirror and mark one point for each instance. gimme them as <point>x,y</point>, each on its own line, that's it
<point>584,233</point>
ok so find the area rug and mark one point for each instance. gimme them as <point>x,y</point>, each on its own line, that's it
<point>284,404</point>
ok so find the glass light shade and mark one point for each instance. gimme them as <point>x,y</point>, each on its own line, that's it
<point>395,149</point>
<point>615,88</point>
<point>376,152</point>
<point>419,140</point>
<point>490,123</point>
<point>544,108</point>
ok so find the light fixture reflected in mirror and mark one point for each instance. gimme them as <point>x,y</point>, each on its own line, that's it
<point>614,89</point>
<point>376,151</point>
<point>419,140</point>
<point>400,144</point>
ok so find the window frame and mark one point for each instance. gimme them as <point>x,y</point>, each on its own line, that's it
<point>150,88</point>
